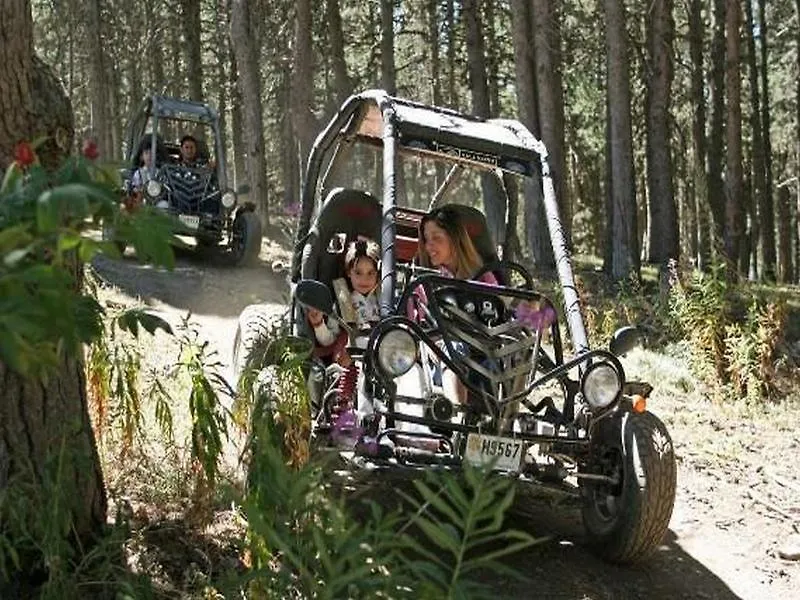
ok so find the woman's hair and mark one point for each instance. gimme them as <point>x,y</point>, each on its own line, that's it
<point>467,257</point>
<point>360,249</point>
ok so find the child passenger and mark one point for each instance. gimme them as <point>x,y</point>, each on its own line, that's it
<point>361,269</point>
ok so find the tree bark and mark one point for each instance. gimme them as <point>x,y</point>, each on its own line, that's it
<point>785,259</point>
<point>695,19</point>
<point>493,198</point>
<point>624,243</point>
<point>766,205</point>
<point>734,216</point>
<point>155,26</point>
<point>245,48</point>
<point>303,120</point>
<point>663,233</point>
<point>342,86</point>
<point>42,422</point>
<point>757,175</point>
<point>551,100</point>
<point>192,27</point>
<point>388,75</point>
<point>450,22</point>
<point>98,87</point>
<point>715,190</point>
<point>524,65</point>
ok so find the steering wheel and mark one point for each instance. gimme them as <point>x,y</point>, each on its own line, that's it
<point>509,269</point>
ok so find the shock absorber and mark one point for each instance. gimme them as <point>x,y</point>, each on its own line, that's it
<point>347,385</point>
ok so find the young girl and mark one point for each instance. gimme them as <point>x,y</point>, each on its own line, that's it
<point>361,269</point>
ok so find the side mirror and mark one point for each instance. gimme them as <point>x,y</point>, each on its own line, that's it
<point>314,294</point>
<point>625,339</point>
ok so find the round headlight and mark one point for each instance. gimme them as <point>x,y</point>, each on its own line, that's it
<point>228,199</point>
<point>397,352</point>
<point>601,385</point>
<point>153,188</point>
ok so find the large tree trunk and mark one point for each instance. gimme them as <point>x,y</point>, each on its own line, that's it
<point>715,190</point>
<point>757,179</point>
<point>699,134</point>
<point>42,422</point>
<point>342,86</point>
<point>302,90</point>
<point>538,238</point>
<point>624,241</point>
<point>734,217</point>
<point>785,259</point>
<point>663,230</point>
<point>388,75</point>
<point>547,57</point>
<point>450,26</point>
<point>493,197</point>
<point>192,27</point>
<point>155,26</point>
<point>100,95</point>
<point>767,210</point>
<point>245,48</point>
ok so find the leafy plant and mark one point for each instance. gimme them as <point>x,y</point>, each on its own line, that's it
<point>46,221</point>
<point>462,525</point>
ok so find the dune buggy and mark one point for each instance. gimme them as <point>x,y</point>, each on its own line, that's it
<point>196,194</point>
<point>540,407</point>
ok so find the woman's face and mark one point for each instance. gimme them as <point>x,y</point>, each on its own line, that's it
<point>363,275</point>
<point>146,157</point>
<point>438,245</point>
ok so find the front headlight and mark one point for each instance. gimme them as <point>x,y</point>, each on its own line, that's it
<point>601,385</point>
<point>228,199</point>
<point>397,352</point>
<point>153,188</point>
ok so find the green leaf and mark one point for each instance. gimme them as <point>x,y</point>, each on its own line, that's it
<point>68,240</point>
<point>13,258</point>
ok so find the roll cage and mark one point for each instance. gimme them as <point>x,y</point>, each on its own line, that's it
<point>398,126</point>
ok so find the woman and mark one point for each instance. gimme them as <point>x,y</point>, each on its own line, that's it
<point>445,244</point>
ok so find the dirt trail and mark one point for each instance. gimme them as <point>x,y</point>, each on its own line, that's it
<point>738,470</point>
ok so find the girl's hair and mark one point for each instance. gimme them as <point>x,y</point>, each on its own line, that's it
<point>468,261</point>
<point>360,249</point>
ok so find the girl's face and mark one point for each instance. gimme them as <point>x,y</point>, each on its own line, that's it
<point>438,245</point>
<point>146,158</point>
<point>363,275</point>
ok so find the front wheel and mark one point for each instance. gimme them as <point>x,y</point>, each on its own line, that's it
<point>627,520</point>
<point>245,238</point>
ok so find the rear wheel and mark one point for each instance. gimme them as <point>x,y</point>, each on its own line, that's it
<point>626,521</point>
<point>245,238</point>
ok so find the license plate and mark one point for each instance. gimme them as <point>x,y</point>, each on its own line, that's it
<point>505,453</point>
<point>191,221</point>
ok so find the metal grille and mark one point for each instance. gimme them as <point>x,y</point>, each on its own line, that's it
<point>193,191</point>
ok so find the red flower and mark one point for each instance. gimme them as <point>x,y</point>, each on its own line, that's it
<point>90,149</point>
<point>24,155</point>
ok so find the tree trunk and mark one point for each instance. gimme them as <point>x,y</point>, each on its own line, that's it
<point>192,27</point>
<point>714,187</point>
<point>155,27</point>
<point>342,85</point>
<point>388,75</point>
<point>222,34</point>
<point>524,64</point>
<point>695,19</point>
<point>663,238</point>
<point>734,216</point>
<point>450,21</point>
<point>493,198</point>
<point>551,100</point>
<point>766,206</point>
<point>785,266</point>
<point>303,119</point>
<point>42,422</point>
<point>624,241</point>
<point>757,179</point>
<point>246,51</point>
<point>98,90</point>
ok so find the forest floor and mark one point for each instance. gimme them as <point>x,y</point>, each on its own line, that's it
<point>737,509</point>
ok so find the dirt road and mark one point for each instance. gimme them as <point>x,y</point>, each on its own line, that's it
<point>738,502</point>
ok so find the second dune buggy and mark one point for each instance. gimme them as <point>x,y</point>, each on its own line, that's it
<point>540,404</point>
<point>196,195</point>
